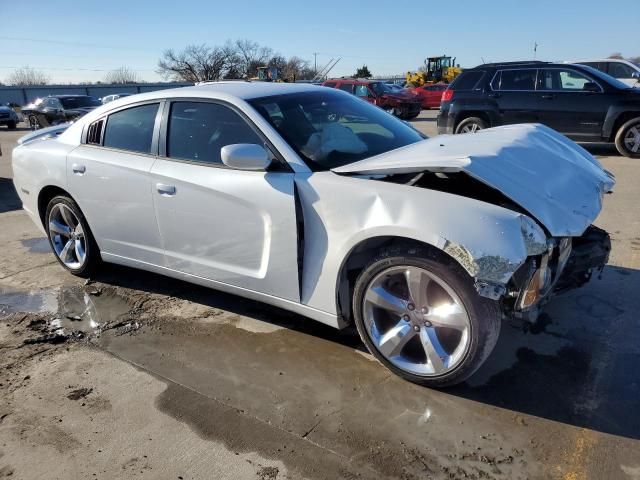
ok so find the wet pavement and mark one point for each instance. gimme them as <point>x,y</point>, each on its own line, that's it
<point>157,375</point>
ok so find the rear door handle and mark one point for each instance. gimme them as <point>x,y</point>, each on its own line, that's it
<point>166,190</point>
<point>548,96</point>
<point>78,169</point>
<point>494,95</point>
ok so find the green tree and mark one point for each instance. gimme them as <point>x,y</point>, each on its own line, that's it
<point>363,72</point>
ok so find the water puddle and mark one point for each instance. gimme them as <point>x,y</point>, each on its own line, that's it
<point>72,310</point>
<point>36,245</point>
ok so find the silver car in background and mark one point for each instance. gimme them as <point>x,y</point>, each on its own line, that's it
<point>315,201</point>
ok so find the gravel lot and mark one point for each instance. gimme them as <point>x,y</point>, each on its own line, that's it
<point>188,383</point>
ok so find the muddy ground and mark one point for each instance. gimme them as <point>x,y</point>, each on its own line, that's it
<point>133,375</point>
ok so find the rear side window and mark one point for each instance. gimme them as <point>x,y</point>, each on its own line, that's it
<point>199,130</point>
<point>131,129</point>
<point>330,84</point>
<point>520,80</point>
<point>467,80</point>
<point>347,87</point>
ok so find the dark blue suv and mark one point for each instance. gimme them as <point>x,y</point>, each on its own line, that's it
<point>581,102</point>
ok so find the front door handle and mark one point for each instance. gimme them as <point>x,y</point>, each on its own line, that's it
<point>549,96</point>
<point>166,190</point>
<point>78,169</point>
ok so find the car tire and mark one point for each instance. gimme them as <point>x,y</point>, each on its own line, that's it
<point>11,125</point>
<point>628,138</point>
<point>34,123</point>
<point>70,237</point>
<point>471,125</point>
<point>483,317</point>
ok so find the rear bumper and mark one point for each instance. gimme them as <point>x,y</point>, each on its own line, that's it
<point>444,122</point>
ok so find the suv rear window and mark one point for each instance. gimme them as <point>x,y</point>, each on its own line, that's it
<point>467,80</point>
<point>520,79</point>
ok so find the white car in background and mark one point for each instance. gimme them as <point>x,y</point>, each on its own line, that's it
<point>115,96</point>
<point>624,70</point>
<point>315,201</point>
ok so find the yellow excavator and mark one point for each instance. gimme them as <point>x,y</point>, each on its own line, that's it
<point>437,69</point>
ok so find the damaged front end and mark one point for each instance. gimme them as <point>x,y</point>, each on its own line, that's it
<point>568,263</point>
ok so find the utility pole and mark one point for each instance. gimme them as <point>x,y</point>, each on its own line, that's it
<point>315,62</point>
<point>535,50</point>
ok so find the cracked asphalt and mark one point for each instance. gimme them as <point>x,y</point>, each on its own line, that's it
<point>163,379</point>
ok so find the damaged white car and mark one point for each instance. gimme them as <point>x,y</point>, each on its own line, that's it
<point>315,201</point>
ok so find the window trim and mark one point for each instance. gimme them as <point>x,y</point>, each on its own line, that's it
<point>154,138</point>
<point>279,165</point>
<point>536,89</point>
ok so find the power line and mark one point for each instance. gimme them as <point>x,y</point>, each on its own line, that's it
<point>74,44</point>
<point>70,69</point>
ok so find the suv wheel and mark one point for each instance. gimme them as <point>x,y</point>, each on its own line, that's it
<point>628,139</point>
<point>422,318</point>
<point>471,125</point>
<point>11,125</point>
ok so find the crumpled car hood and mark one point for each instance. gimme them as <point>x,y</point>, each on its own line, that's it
<point>555,180</point>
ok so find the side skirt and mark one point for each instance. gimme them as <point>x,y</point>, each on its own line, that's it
<point>314,314</point>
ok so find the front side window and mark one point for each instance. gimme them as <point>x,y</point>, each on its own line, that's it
<point>560,79</point>
<point>197,131</point>
<point>620,70</point>
<point>519,80</point>
<point>329,130</point>
<point>131,129</point>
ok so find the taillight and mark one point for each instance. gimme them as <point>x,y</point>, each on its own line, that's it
<point>447,95</point>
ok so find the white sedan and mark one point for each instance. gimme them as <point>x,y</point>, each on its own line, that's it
<point>312,200</point>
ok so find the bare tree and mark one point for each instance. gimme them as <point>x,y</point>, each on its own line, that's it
<point>249,56</point>
<point>616,55</point>
<point>297,69</point>
<point>27,76</point>
<point>196,63</point>
<point>635,60</point>
<point>122,75</point>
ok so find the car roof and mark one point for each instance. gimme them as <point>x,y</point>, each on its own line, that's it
<point>362,81</point>
<point>527,63</point>
<point>239,89</point>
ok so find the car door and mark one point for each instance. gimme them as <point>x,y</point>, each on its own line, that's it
<point>572,102</point>
<point>236,227</point>
<point>109,177</point>
<point>433,94</point>
<point>514,93</point>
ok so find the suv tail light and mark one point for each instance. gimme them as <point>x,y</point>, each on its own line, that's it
<point>447,95</point>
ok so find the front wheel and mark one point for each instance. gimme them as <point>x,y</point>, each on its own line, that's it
<point>70,236</point>
<point>471,125</point>
<point>628,139</point>
<point>422,318</point>
<point>12,125</point>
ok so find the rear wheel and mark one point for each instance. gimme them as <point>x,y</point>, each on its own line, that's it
<point>34,124</point>
<point>11,125</point>
<point>628,138</point>
<point>70,236</point>
<point>471,125</point>
<point>422,318</point>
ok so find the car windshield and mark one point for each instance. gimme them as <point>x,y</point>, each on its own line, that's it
<point>380,88</point>
<point>614,82</point>
<point>330,129</point>
<point>79,102</point>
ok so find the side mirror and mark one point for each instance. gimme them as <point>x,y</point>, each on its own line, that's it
<point>636,75</point>
<point>591,87</point>
<point>245,156</point>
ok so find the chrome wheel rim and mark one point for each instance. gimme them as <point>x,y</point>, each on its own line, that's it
<point>416,321</point>
<point>471,128</point>
<point>632,139</point>
<point>67,236</point>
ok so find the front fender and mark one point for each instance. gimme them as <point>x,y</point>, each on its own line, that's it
<point>488,241</point>
<point>613,113</point>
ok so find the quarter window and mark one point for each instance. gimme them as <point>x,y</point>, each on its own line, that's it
<point>467,80</point>
<point>521,80</point>
<point>131,129</point>
<point>197,131</point>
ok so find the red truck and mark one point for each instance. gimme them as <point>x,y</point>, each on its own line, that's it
<point>404,105</point>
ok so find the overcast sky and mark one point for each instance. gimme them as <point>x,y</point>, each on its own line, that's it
<point>74,41</point>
